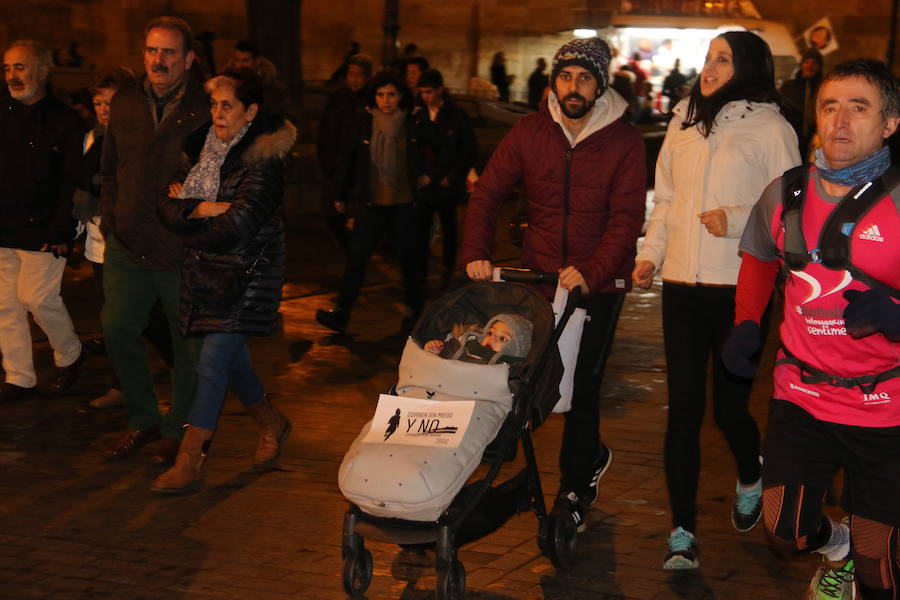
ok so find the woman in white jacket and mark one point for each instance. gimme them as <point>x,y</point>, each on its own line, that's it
<point>724,144</point>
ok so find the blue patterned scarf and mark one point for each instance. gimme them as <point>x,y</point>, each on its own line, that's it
<point>869,168</point>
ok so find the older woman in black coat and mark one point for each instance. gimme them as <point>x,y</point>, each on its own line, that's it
<point>228,210</point>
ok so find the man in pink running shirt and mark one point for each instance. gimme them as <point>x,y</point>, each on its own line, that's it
<point>837,377</point>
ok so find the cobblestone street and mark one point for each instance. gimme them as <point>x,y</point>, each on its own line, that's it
<point>75,526</point>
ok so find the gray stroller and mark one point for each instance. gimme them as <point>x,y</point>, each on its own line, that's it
<point>420,495</point>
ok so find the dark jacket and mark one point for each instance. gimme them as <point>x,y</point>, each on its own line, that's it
<point>354,165</point>
<point>40,165</point>
<point>501,80</point>
<point>90,174</point>
<point>138,163</point>
<point>672,87</point>
<point>249,236</point>
<point>537,82</point>
<point>585,204</point>
<point>87,193</point>
<point>448,146</point>
<point>340,111</point>
<point>341,107</point>
<point>797,92</point>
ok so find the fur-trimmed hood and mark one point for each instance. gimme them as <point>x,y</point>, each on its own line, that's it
<point>274,144</point>
<point>267,138</point>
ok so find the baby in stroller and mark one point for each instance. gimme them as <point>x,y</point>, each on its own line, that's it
<point>506,378</point>
<point>505,338</point>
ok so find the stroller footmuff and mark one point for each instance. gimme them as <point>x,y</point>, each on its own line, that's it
<point>418,483</point>
<point>407,493</point>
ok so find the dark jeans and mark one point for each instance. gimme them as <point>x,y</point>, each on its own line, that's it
<point>130,292</point>
<point>696,322</point>
<point>224,360</point>
<point>399,221</point>
<point>335,222</point>
<point>581,433</point>
<point>438,199</point>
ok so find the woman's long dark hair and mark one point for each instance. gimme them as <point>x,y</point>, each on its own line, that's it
<point>753,80</point>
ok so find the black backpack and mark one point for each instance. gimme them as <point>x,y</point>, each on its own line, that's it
<point>833,248</point>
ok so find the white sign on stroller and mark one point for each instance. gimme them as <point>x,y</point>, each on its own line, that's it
<point>418,422</point>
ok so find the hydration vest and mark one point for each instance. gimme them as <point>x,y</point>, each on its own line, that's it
<point>833,246</point>
<point>832,252</point>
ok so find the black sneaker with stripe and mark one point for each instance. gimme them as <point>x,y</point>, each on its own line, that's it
<point>580,503</point>
<point>601,466</point>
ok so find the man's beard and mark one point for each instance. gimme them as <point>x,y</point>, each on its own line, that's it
<point>27,92</point>
<point>579,112</point>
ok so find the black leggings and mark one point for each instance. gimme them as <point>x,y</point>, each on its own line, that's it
<point>794,522</point>
<point>696,322</point>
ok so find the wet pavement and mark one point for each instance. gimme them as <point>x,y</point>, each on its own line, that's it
<point>74,526</point>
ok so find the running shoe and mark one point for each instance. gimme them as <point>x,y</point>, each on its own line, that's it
<point>833,581</point>
<point>747,507</point>
<point>683,552</point>
<point>580,503</point>
<point>569,502</point>
<point>601,466</point>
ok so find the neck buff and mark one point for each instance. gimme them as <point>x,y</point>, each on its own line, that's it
<point>869,168</point>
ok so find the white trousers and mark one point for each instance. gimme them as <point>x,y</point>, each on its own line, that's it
<point>30,282</point>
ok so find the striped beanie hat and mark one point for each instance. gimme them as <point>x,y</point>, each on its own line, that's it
<point>592,53</point>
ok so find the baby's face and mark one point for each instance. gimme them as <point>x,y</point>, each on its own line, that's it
<point>497,336</point>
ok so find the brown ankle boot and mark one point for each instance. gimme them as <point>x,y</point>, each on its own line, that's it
<point>186,476</point>
<point>274,428</point>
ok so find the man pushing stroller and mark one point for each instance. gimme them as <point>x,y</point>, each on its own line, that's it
<point>583,178</point>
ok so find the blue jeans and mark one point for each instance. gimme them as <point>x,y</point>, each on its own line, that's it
<point>224,360</point>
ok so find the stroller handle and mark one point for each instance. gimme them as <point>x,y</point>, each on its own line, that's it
<point>524,275</point>
<point>532,276</point>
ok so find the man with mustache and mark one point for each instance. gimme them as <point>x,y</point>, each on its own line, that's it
<point>40,162</point>
<point>582,173</point>
<point>142,259</point>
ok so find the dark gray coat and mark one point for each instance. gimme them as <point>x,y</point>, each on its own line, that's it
<point>139,162</point>
<point>247,238</point>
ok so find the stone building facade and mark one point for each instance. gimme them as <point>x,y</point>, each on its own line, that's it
<point>459,37</point>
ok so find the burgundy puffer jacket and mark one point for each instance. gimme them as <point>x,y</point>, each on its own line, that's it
<point>585,204</point>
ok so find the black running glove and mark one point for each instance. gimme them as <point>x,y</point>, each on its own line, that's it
<point>739,348</point>
<point>870,312</point>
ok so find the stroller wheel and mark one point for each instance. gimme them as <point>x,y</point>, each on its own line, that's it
<point>357,572</point>
<point>451,582</point>
<point>562,540</point>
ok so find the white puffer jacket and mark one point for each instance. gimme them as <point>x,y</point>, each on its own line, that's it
<point>750,145</point>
